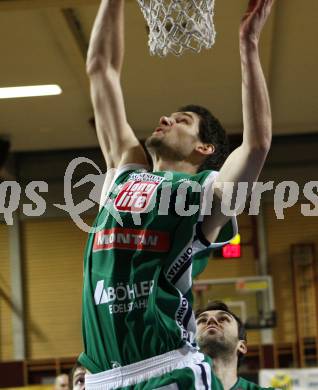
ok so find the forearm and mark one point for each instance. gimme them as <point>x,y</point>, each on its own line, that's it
<point>245,163</point>
<point>106,45</point>
<point>257,117</point>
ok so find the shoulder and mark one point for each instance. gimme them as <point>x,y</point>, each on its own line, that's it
<point>203,179</point>
<point>205,175</point>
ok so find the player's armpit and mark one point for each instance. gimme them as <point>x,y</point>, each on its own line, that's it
<point>134,155</point>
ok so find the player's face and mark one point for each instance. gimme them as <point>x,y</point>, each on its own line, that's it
<point>177,133</point>
<point>79,379</point>
<point>216,323</point>
<point>218,330</point>
<point>61,382</point>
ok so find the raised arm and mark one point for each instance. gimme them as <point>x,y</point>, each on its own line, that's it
<point>104,63</point>
<point>245,163</point>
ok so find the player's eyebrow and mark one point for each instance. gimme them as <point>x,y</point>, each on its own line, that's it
<point>226,313</point>
<point>222,312</point>
<point>202,315</point>
<point>183,113</point>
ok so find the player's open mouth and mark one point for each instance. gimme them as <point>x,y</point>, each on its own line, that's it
<point>158,130</point>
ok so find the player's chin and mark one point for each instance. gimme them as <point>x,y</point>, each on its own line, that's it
<point>153,141</point>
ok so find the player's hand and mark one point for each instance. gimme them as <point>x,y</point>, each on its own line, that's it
<point>254,20</point>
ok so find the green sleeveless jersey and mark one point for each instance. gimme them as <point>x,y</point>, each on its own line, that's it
<point>243,384</point>
<point>138,267</point>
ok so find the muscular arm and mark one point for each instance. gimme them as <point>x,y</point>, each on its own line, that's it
<point>104,63</point>
<point>245,163</point>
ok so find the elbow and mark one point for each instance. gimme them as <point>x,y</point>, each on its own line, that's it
<point>97,58</point>
<point>258,149</point>
<point>261,149</point>
<point>259,142</point>
<point>95,63</point>
<point>98,63</point>
<point>263,145</point>
<point>266,142</point>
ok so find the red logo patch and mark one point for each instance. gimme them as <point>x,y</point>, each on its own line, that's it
<point>133,239</point>
<point>135,195</point>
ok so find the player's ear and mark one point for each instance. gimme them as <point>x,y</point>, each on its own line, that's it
<point>205,149</point>
<point>242,347</point>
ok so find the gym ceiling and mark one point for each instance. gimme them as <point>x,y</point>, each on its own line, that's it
<point>45,42</point>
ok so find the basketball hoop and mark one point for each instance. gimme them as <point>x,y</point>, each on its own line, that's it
<point>178,25</point>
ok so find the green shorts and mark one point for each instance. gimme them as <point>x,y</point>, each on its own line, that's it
<point>182,369</point>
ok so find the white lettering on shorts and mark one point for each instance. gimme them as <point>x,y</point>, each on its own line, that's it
<point>124,297</point>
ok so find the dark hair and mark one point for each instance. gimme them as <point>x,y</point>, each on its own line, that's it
<point>219,305</point>
<point>210,132</point>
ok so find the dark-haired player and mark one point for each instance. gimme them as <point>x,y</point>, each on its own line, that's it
<point>138,323</point>
<point>221,335</point>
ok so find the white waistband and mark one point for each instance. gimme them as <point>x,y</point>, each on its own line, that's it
<point>144,370</point>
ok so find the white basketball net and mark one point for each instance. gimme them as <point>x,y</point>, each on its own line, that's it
<point>177,25</point>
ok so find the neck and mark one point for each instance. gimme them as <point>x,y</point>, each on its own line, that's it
<point>226,370</point>
<point>173,165</point>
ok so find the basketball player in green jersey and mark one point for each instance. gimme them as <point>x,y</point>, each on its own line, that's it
<point>222,336</point>
<point>138,324</point>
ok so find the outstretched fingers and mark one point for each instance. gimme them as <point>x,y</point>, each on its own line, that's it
<point>257,6</point>
<point>252,4</point>
<point>255,17</point>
